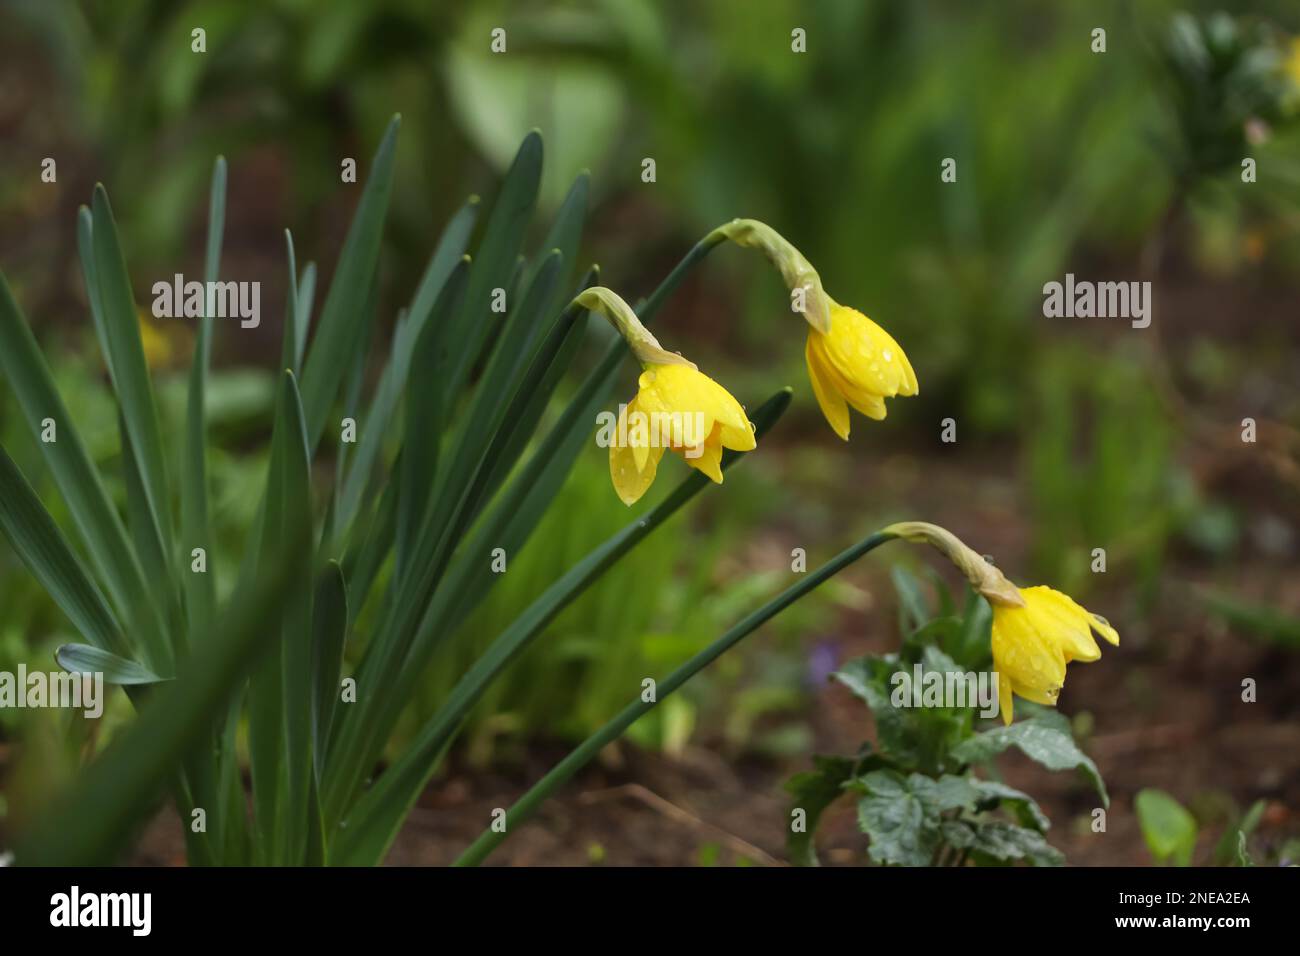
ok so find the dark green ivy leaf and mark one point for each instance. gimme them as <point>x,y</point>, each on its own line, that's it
<point>998,842</point>
<point>1044,738</point>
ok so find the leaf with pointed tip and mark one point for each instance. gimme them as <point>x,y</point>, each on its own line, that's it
<point>130,371</point>
<point>97,521</point>
<point>289,334</point>
<point>566,229</point>
<point>84,659</point>
<point>280,709</point>
<point>91,822</point>
<point>37,540</point>
<point>495,260</point>
<point>196,528</point>
<point>340,332</point>
<point>447,258</point>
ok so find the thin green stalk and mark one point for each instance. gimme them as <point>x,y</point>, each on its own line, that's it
<point>580,756</point>
<point>650,306</point>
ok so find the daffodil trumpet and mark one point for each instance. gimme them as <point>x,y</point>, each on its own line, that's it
<point>851,360</point>
<point>677,408</point>
<point>1036,631</point>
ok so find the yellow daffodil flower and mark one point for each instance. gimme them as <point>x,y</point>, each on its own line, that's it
<point>1032,644</point>
<point>699,418</point>
<point>855,363</point>
<point>677,408</point>
<point>851,360</point>
<point>1036,631</point>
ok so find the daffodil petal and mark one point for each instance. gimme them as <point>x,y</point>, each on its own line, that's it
<point>691,398</point>
<point>631,481</point>
<point>631,425</point>
<point>1103,627</point>
<point>831,401</point>
<point>1057,616</point>
<point>1004,697</point>
<point>864,354</point>
<point>1038,695</point>
<point>1035,664</point>
<point>708,460</point>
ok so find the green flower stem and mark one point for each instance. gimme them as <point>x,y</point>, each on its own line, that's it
<point>644,345</point>
<point>524,808</point>
<point>796,271</point>
<point>649,307</point>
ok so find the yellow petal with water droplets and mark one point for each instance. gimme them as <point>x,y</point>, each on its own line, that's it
<point>828,397</point>
<point>1059,618</point>
<point>680,391</point>
<point>631,481</point>
<point>866,356</point>
<point>632,424</point>
<point>1103,627</point>
<point>1035,664</point>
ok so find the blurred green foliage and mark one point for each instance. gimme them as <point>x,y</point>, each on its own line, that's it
<point>663,603</point>
<point>1066,160</point>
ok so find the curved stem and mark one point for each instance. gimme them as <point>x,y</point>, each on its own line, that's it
<point>648,307</point>
<point>580,756</point>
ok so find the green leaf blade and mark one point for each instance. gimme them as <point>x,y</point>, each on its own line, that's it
<point>339,334</point>
<point>37,540</point>
<point>130,371</point>
<point>84,659</point>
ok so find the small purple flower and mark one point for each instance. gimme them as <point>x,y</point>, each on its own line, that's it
<point>822,662</point>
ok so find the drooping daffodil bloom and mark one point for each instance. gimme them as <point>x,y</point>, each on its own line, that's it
<point>676,408</point>
<point>1036,631</point>
<point>1033,643</point>
<point>851,360</point>
<point>855,363</point>
<point>679,408</point>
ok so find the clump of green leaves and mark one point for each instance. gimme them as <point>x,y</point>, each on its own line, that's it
<point>385,545</point>
<point>927,791</point>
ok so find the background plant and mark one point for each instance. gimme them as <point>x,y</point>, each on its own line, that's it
<point>928,792</point>
<point>1171,833</point>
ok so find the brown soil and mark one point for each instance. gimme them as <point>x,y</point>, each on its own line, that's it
<point>1167,713</point>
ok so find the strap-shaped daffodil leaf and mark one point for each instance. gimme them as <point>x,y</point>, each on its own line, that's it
<point>84,659</point>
